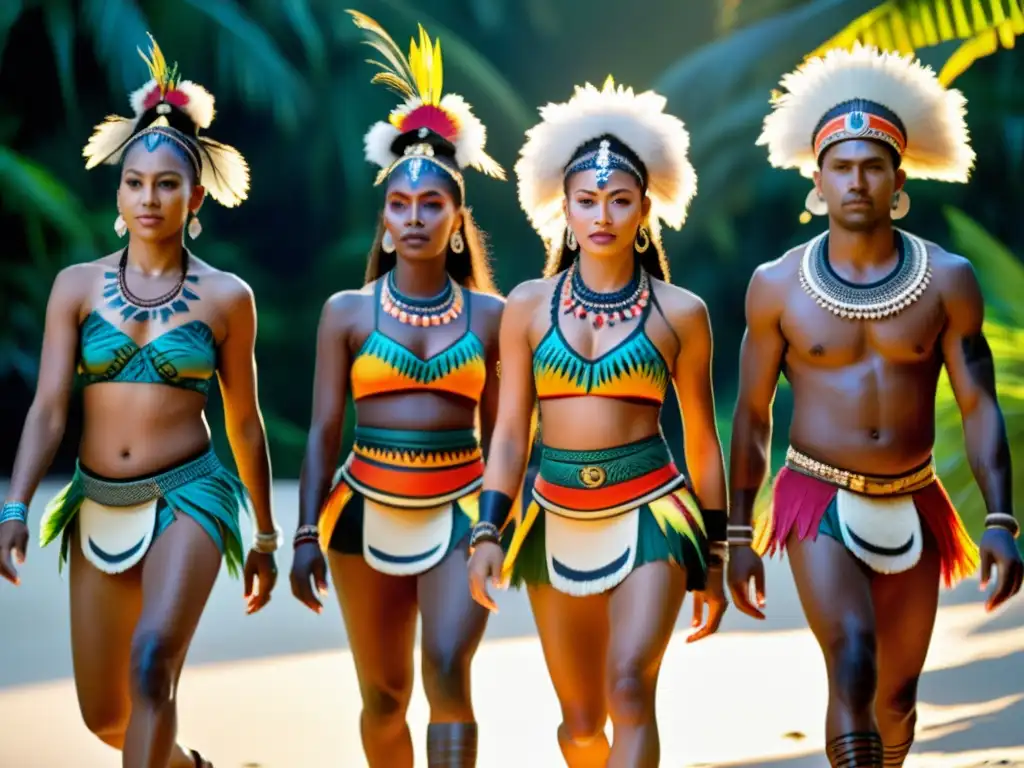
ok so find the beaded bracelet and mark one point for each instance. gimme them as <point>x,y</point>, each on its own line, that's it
<point>484,531</point>
<point>267,543</point>
<point>304,534</point>
<point>13,510</point>
<point>740,535</point>
<point>1005,521</point>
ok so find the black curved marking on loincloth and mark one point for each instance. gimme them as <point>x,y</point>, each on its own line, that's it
<point>874,549</point>
<point>384,557</point>
<point>604,571</point>
<point>119,557</point>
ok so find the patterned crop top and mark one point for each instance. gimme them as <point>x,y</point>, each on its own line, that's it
<point>383,366</point>
<point>633,370</point>
<point>184,357</point>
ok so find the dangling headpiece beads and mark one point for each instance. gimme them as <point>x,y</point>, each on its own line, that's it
<point>612,115</point>
<point>428,119</point>
<point>177,109</point>
<point>865,93</point>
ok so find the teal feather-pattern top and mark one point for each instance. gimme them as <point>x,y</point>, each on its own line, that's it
<point>184,357</point>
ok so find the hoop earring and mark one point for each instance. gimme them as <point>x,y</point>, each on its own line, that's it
<point>387,244</point>
<point>642,241</point>
<point>570,239</point>
<point>120,226</point>
<point>195,227</point>
<point>457,243</point>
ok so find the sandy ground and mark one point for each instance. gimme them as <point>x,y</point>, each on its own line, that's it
<point>278,690</point>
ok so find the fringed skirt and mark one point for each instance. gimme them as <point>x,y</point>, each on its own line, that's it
<point>596,516</point>
<point>118,519</point>
<point>878,519</point>
<point>404,500</point>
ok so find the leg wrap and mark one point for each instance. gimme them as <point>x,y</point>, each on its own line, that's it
<point>897,753</point>
<point>451,745</point>
<point>855,750</point>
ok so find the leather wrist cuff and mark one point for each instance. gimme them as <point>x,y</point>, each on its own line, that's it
<point>495,507</point>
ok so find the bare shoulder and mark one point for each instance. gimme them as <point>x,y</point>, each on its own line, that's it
<point>778,274</point>
<point>488,304</point>
<point>680,306</point>
<point>344,307</point>
<point>75,282</point>
<point>951,274</point>
<point>531,295</point>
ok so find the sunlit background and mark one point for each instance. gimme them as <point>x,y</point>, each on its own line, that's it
<point>293,94</point>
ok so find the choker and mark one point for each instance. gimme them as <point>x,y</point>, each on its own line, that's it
<point>436,310</point>
<point>871,301</point>
<point>605,308</point>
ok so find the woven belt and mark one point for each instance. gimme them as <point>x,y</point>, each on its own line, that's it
<point>129,493</point>
<point>869,485</point>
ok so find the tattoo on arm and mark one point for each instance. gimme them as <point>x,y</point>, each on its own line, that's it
<point>980,365</point>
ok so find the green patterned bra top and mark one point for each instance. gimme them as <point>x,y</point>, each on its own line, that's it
<point>184,357</point>
<point>634,369</point>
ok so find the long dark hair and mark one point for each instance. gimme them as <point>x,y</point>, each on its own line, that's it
<point>470,269</point>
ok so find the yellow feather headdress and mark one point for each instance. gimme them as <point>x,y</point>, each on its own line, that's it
<point>425,111</point>
<point>637,120</point>
<point>178,109</point>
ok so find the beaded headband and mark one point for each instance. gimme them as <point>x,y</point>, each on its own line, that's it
<point>605,162</point>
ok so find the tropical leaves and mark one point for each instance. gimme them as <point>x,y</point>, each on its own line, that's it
<point>1001,275</point>
<point>981,27</point>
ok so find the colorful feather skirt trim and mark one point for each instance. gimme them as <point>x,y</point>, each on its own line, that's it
<point>880,519</point>
<point>404,500</point>
<point>596,516</point>
<point>118,519</point>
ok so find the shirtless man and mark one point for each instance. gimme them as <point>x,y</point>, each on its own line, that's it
<point>861,320</point>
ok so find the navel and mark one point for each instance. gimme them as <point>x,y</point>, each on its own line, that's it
<point>817,350</point>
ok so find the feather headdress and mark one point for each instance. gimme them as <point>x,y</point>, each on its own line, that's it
<point>864,93</point>
<point>178,109</point>
<point>639,121</point>
<point>426,114</point>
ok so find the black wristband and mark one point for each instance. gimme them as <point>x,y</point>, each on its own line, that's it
<point>495,507</point>
<point>715,521</point>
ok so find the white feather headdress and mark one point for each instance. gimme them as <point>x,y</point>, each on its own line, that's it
<point>936,143</point>
<point>418,79</point>
<point>639,121</point>
<point>178,109</point>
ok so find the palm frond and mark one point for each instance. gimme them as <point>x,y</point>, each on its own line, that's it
<point>117,28</point>
<point>10,12</point>
<point>250,58</point>
<point>32,190</point>
<point>981,26</point>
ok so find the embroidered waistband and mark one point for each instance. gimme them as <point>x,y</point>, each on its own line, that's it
<point>869,485</point>
<point>128,493</point>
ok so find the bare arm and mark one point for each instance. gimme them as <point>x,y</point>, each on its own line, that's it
<point>489,399</point>
<point>510,443</point>
<point>242,418</point>
<point>330,389</point>
<point>761,354</point>
<point>971,370</point>
<point>47,416</point>
<point>702,446</point>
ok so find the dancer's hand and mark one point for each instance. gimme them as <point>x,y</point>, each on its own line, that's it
<point>309,570</point>
<point>745,567</point>
<point>713,597</point>
<point>485,565</point>
<point>263,569</point>
<point>998,549</point>
<point>13,546</point>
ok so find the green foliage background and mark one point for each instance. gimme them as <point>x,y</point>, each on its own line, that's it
<point>293,94</point>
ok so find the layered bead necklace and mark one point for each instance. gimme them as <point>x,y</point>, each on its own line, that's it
<point>435,310</point>
<point>605,309</point>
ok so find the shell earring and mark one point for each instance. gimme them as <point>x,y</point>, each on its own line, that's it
<point>570,239</point>
<point>815,203</point>
<point>900,205</point>
<point>120,226</point>
<point>457,242</point>
<point>387,244</point>
<point>195,228</point>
